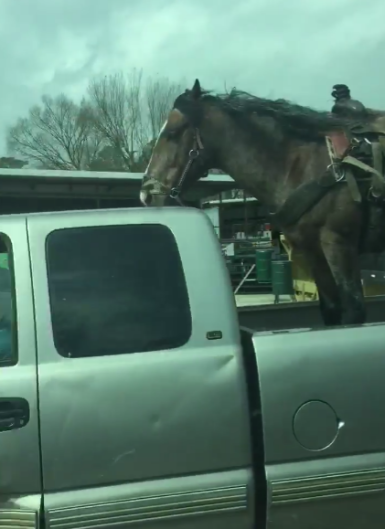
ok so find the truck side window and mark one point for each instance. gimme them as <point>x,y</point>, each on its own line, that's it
<point>8,328</point>
<point>116,290</point>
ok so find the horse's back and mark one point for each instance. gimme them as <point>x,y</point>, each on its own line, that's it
<point>379,123</point>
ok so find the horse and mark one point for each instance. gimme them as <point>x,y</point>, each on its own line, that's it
<point>276,151</point>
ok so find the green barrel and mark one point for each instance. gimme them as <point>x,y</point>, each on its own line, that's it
<point>263,265</point>
<point>281,277</point>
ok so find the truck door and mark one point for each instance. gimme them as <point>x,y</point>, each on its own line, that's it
<point>20,480</point>
<point>143,415</point>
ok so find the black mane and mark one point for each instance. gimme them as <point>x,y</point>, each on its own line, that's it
<point>297,120</point>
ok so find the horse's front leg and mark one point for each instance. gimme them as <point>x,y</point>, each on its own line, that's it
<point>342,256</point>
<point>328,293</point>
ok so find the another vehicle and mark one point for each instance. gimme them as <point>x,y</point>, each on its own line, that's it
<point>131,396</point>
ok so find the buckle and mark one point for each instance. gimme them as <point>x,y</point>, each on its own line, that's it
<point>339,174</point>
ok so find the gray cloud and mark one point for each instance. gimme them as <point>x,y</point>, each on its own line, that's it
<point>295,49</point>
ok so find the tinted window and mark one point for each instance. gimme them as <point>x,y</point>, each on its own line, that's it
<point>8,326</point>
<point>116,290</point>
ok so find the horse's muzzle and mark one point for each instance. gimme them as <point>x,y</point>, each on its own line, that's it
<point>152,192</point>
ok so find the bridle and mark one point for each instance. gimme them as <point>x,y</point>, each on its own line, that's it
<point>193,155</point>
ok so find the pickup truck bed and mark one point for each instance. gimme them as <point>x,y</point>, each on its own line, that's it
<point>300,314</point>
<point>316,399</point>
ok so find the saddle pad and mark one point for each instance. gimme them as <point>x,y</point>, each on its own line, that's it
<point>339,142</point>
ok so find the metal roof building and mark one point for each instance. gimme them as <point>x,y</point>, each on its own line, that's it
<point>94,185</point>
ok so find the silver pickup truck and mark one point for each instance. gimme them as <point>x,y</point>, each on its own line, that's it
<point>129,397</point>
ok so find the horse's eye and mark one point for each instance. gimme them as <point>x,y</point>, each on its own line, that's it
<point>175,133</point>
<point>172,134</point>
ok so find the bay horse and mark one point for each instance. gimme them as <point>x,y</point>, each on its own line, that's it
<point>276,151</point>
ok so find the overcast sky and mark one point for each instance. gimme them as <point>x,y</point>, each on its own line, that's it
<point>295,49</point>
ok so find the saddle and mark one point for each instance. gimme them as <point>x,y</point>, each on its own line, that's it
<point>357,157</point>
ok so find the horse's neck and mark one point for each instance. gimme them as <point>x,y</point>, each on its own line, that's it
<point>256,178</point>
<point>260,172</point>
<point>268,165</point>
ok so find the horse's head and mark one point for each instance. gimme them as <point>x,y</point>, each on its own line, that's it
<point>178,157</point>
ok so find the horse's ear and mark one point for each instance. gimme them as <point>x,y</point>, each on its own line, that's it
<point>196,91</point>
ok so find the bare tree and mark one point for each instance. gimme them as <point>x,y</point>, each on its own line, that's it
<point>113,129</point>
<point>160,95</point>
<point>130,115</point>
<point>115,100</point>
<point>57,134</point>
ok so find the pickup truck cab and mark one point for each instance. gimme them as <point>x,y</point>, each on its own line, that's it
<point>130,396</point>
